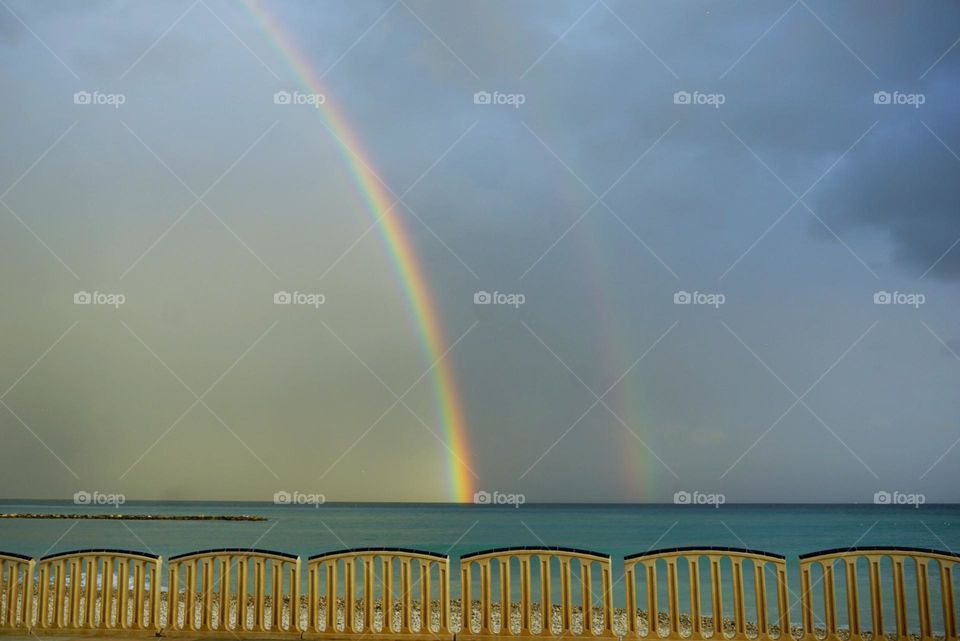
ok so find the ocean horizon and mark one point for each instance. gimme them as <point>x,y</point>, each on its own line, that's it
<point>457,528</point>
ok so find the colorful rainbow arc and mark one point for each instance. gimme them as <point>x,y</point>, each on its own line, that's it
<point>400,248</point>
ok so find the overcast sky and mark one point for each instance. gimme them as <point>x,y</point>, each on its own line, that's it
<point>778,186</point>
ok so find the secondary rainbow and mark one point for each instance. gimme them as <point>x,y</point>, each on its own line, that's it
<point>379,204</point>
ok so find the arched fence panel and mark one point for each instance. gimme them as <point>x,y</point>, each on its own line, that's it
<point>373,592</point>
<point>233,591</point>
<point>670,593</point>
<point>16,591</point>
<point>98,590</point>
<point>530,591</point>
<point>860,593</point>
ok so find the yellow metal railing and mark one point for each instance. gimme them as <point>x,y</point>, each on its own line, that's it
<point>232,591</point>
<point>558,571</point>
<point>16,591</point>
<point>713,576</point>
<point>378,592</point>
<point>98,590</point>
<point>858,592</point>
<point>855,594</point>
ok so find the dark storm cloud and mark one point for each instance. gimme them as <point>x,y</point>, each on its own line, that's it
<point>905,183</point>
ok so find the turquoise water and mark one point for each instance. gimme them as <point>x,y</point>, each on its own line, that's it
<point>457,529</point>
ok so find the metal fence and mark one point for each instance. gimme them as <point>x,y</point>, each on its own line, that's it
<point>855,594</point>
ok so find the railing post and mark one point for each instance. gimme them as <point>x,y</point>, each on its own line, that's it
<point>28,598</point>
<point>900,604</point>
<point>406,595</point>
<point>466,604</point>
<point>349,594</point>
<point>606,572</point>
<point>243,588</point>
<point>426,607</point>
<point>486,590</point>
<point>876,599</point>
<point>546,599</point>
<point>783,602</point>
<point>445,596</point>
<point>313,600</point>
<point>155,581</point>
<point>739,614</point>
<point>276,569</point>
<point>653,616</point>
<point>140,572</point>
<point>946,595</point>
<point>525,598</point>
<point>173,596</point>
<point>853,600</point>
<point>332,605</point>
<point>586,581</point>
<point>716,594</point>
<point>60,592</point>
<point>673,597</point>
<point>829,603</point>
<point>74,595</point>
<point>629,578</point>
<point>923,597</point>
<point>695,623</point>
<point>295,597</point>
<point>206,600</point>
<point>760,589</point>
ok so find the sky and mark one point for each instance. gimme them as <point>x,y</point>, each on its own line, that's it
<point>662,247</point>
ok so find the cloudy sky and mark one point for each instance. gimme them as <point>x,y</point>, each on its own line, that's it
<point>783,168</point>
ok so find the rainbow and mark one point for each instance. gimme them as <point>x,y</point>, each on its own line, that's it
<point>637,474</point>
<point>379,205</point>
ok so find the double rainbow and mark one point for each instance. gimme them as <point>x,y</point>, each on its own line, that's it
<point>379,205</point>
